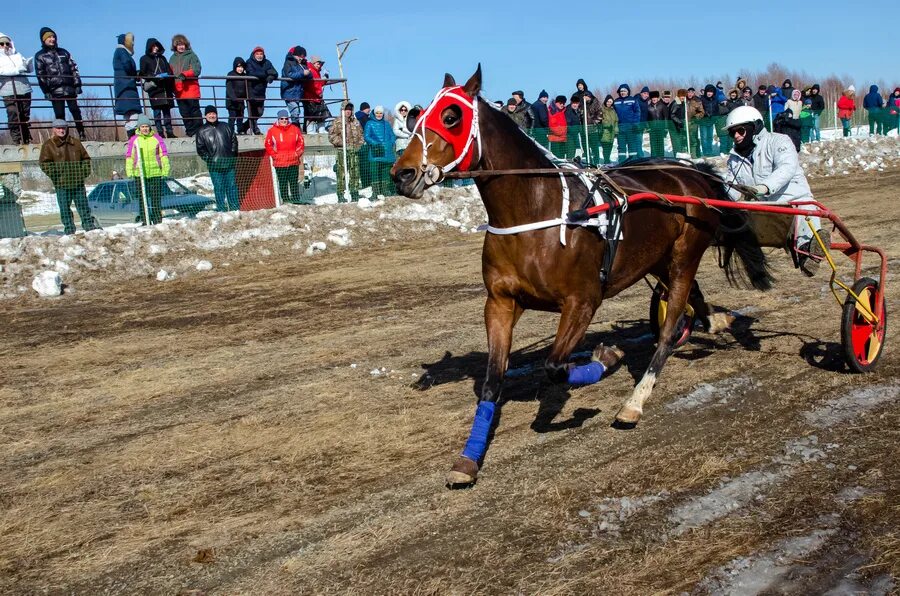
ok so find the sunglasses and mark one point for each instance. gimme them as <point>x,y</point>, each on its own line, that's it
<point>4,43</point>
<point>403,110</point>
<point>741,130</point>
<point>283,119</point>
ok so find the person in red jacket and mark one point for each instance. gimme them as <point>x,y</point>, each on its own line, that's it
<point>284,145</point>
<point>846,106</point>
<point>315,112</point>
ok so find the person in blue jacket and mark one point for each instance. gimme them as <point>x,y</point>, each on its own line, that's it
<point>541,116</point>
<point>628,110</point>
<point>778,100</point>
<point>292,89</point>
<point>128,102</point>
<point>643,102</point>
<point>380,139</point>
<point>873,103</point>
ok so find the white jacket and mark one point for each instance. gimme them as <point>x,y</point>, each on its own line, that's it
<point>774,162</point>
<point>400,131</point>
<point>13,68</point>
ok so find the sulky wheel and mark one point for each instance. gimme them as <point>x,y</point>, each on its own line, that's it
<point>658,309</point>
<point>863,340</point>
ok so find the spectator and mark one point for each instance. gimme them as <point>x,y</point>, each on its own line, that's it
<point>747,97</point>
<point>522,114</point>
<point>892,112</point>
<point>292,88</point>
<point>557,132</point>
<point>581,86</point>
<point>284,145</point>
<point>315,112</point>
<point>708,123</point>
<point>157,83</point>
<point>15,90</point>
<point>733,101</point>
<point>816,109</point>
<point>658,121</point>
<point>12,224</point>
<point>609,128</point>
<point>186,67</point>
<point>740,85</point>
<point>58,77</point>
<point>363,114</point>
<point>787,88</point>
<point>594,111</point>
<point>873,104</point>
<point>237,93</point>
<point>574,125</point>
<point>846,105</point>
<point>66,162</point>
<point>795,104</point>
<point>128,102</point>
<point>806,120</point>
<point>380,139</point>
<point>346,131</point>
<point>147,161</point>
<point>761,103</point>
<point>643,101</point>
<point>720,92</point>
<point>260,68</point>
<point>629,113</point>
<point>694,115</point>
<point>676,122</point>
<point>786,125</point>
<point>403,134</point>
<point>777,100</point>
<point>217,146</point>
<point>541,117</point>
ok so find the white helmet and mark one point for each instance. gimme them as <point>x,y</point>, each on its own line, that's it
<point>742,115</point>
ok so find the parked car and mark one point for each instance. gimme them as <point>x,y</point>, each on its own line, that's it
<point>118,201</point>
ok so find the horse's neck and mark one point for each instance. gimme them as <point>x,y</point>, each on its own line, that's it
<point>513,200</point>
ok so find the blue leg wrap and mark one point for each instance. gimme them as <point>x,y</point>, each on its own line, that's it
<point>476,446</point>
<point>587,374</point>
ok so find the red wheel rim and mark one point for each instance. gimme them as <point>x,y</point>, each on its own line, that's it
<point>866,337</point>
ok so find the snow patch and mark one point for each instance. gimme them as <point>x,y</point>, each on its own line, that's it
<point>47,284</point>
<point>203,266</point>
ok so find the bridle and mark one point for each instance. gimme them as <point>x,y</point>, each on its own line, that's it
<point>463,143</point>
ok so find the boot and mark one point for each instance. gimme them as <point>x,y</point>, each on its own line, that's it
<point>809,265</point>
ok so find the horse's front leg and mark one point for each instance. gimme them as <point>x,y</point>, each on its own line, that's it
<point>680,288</point>
<point>577,314</point>
<point>500,316</point>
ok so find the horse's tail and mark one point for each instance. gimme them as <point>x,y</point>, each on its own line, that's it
<point>737,236</point>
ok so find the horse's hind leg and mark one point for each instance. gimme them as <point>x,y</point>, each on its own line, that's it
<point>573,324</point>
<point>680,288</point>
<point>500,316</point>
<point>712,322</point>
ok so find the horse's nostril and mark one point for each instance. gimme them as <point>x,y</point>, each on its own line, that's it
<point>406,175</point>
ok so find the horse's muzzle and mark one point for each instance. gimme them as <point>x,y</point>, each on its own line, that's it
<point>410,182</point>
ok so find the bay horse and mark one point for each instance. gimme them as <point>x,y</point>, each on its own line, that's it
<point>558,269</point>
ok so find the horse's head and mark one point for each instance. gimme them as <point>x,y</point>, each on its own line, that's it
<point>445,136</point>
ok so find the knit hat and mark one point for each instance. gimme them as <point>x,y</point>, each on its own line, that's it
<point>625,87</point>
<point>852,88</point>
<point>379,110</point>
<point>576,97</point>
<point>543,93</point>
<point>364,106</point>
<point>258,49</point>
<point>210,109</point>
<point>60,123</point>
<point>690,89</point>
<point>761,88</point>
<point>142,120</point>
<point>47,32</point>
<point>645,89</point>
<point>654,94</point>
<point>283,114</point>
<point>315,59</point>
<point>747,91</point>
<point>299,51</point>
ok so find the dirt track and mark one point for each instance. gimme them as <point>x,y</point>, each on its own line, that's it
<point>212,434</point>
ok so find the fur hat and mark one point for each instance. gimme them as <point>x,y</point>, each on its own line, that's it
<point>667,93</point>
<point>560,99</point>
<point>179,38</point>
<point>654,94</point>
<point>681,93</point>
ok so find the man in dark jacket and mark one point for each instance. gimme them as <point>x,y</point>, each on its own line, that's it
<point>628,110</point>
<point>541,117</point>
<point>260,68</point>
<point>57,74</point>
<point>293,73</point>
<point>522,114</point>
<point>217,145</point>
<point>817,107</point>
<point>363,113</point>
<point>237,92</point>
<point>66,162</point>
<point>657,121</point>
<point>708,123</point>
<point>157,83</point>
<point>873,103</point>
<point>761,103</point>
<point>787,88</point>
<point>128,102</point>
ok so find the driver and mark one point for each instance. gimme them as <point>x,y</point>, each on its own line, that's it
<point>767,162</point>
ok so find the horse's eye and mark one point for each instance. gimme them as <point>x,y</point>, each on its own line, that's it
<point>450,120</point>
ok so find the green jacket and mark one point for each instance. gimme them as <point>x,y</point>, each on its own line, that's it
<point>151,152</point>
<point>610,125</point>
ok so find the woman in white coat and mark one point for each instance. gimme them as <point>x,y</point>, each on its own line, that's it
<point>15,90</point>
<point>403,134</point>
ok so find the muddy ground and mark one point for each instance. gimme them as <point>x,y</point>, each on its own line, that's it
<point>284,427</point>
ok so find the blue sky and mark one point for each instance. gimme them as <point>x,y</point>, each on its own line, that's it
<point>402,53</point>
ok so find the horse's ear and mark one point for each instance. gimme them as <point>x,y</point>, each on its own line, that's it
<point>473,85</point>
<point>449,81</point>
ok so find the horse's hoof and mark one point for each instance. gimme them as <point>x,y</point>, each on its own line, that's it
<point>720,322</point>
<point>627,418</point>
<point>463,474</point>
<point>608,356</point>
